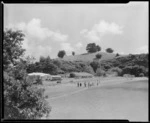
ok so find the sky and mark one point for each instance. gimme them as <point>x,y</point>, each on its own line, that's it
<point>49,28</point>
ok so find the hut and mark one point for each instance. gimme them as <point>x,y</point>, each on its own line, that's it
<point>43,76</point>
<point>56,77</point>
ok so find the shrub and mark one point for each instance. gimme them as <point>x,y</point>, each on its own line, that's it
<point>117,70</point>
<point>117,55</point>
<point>95,65</point>
<point>73,53</point>
<point>39,80</point>
<point>100,72</point>
<point>98,56</point>
<point>134,70</point>
<point>57,63</point>
<point>92,48</point>
<point>109,50</point>
<point>72,75</point>
<point>88,69</point>
<point>22,100</point>
<point>61,54</point>
<point>128,75</point>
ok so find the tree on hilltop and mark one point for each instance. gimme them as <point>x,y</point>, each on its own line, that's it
<point>92,48</point>
<point>61,53</point>
<point>109,50</point>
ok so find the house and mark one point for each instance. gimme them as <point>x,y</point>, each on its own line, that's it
<point>43,76</point>
<point>56,77</point>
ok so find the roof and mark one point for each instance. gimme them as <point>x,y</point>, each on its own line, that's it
<point>40,74</point>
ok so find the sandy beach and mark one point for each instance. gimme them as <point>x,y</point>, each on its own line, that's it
<point>115,98</point>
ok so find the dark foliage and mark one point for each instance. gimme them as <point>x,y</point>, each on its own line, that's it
<point>22,100</point>
<point>98,56</point>
<point>92,48</point>
<point>95,65</point>
<point>109,50</point>
<point>61,54</point>
<point>73,53</point>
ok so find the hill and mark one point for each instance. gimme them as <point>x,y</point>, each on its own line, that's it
<point>88,57</point>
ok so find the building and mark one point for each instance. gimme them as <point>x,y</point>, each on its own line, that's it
<point>43,76</point>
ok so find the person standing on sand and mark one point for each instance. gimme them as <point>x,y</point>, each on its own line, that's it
<point>78,84</point>
<point>85,84</point>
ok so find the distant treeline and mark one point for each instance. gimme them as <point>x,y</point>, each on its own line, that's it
<point>136,65</point>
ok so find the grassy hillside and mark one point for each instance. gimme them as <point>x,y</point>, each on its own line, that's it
<point>88,57</point>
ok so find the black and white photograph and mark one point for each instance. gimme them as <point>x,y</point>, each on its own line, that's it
<point>76,61</point>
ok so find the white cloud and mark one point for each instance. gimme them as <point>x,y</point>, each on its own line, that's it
<point>143,49</point>
<point>36,49</point>
<point>100,29</point>
<point>38,39</point>
<point>122,53</point>
<point>67,47</point>
<point>34,29</point>
<point>57,36</point>
<point>79,45</point>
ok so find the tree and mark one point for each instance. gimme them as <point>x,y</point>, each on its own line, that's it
<point>95,65</point>
<point>30,59</point>
<point>98,56</point>
<point>42,59</point>
<point>91,48</point>
<point>61,54</point>
<point>48,59</point>
<point>109,50</point>
<point>73,53</point>
<point>22,100</point>
<point>57,63</point>
<point>117,55</point>
<point>100,72</point>
<point>98,48</point>
<point>12,47</point>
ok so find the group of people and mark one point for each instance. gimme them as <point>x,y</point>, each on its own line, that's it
<point>88,84</point>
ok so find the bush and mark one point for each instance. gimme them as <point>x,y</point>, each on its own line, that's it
<point>57,63</point>
<point>128,75</point>
<point>100,72</point>
<point>117,70</point>
<point>109,50</point>
<point>61,53</point>
<point>133,70</point>
<point>92,48</point>
<point>72,75</point>
<point>88,69</point>
<point>117,55</point>
<point>98,56</point>
<point>95,65</point>
<point>22,100</point>
<point>39,80</point>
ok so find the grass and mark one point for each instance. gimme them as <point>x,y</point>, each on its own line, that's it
<point>88,57</point>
